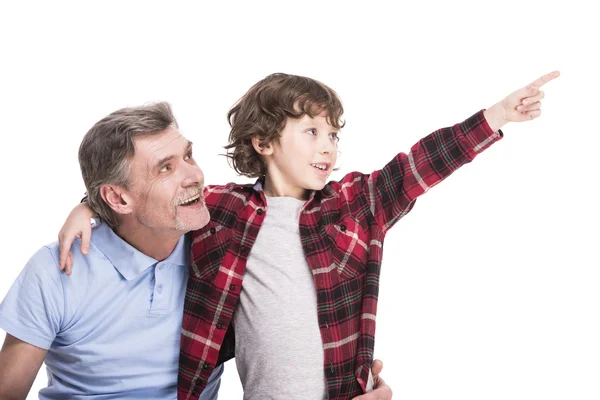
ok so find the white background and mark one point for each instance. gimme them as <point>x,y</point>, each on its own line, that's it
<point>490,287</point>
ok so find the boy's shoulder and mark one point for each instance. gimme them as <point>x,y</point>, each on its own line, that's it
<point>226,187</point>
<point>215,194</point>
<point>348,186</point>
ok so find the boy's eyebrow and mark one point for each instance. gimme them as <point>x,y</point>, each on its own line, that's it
<point>166,159</point>
<point>310,123</point>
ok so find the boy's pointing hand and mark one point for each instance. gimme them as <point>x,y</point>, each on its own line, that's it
<point>521,105</point>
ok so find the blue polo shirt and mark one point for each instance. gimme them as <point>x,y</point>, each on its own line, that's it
<point>112,329</point>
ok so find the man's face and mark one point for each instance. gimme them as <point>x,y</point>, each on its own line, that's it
<point>166,185</point>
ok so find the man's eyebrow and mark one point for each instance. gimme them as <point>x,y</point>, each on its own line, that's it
<point>165,160</point>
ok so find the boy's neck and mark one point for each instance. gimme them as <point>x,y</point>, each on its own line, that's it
<point>274,187</point>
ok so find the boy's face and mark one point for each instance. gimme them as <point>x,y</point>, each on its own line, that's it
<point>304,156</point>
<point>167,184</point>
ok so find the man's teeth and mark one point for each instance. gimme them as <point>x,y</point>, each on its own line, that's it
<point>320,166</point>
<point>190,201</point>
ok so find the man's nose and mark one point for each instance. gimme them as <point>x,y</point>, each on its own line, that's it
<point>193,176</point>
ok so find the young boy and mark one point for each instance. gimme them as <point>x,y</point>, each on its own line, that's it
<point>307,252</point>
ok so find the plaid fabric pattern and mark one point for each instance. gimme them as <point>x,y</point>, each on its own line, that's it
<point>342,229</point>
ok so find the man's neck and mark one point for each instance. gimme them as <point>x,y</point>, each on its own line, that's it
<point>156,244</point>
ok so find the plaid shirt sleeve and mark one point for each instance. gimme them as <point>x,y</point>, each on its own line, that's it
<point>392,190</point>
<point>367,206</point>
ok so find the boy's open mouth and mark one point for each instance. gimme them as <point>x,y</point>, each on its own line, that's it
<point>321,166</point>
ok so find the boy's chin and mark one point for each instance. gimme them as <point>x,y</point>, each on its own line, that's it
<point>315,186</point>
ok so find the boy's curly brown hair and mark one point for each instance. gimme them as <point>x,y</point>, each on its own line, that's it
<point>264,110</point>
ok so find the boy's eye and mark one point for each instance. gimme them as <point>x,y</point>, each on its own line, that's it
<point>165,168</point>
<point>334,136</point>
<point>188,156</point>
<point>312,132</point>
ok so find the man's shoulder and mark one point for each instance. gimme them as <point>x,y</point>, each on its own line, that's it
<point>48,256</point>
<point>41,269</point>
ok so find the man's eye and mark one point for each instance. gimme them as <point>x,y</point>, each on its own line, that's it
<point>166,168</point>
<point>188,156</point>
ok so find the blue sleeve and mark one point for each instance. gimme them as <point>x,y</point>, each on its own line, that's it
<point>211,392</point>
<point>33,308</point>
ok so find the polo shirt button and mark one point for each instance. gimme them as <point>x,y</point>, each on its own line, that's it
<point>205,366</point>
<point>259,211</point>
<point>232,287</point>
<point>194,392</point>
<point>343,228</point>
<point>219,325</point>
<point>212,231</point>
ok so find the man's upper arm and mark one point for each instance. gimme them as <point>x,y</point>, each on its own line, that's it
<point>33,308</point>
<point>19,365</point>
<point>31,314</point>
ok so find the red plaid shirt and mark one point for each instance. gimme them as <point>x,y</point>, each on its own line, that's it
<point>342,229</point>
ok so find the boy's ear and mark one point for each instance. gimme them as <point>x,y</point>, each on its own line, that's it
<point>117,198</point>
<point>263,150</point>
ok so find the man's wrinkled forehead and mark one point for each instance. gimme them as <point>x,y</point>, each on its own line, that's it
<point>153,151</point>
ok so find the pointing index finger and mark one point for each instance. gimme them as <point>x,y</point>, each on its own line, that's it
<point>545,79</point>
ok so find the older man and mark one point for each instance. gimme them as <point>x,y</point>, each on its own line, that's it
<point>112,329</point>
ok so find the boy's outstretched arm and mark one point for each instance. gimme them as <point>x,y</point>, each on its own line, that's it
<point>76,225</point>
<point>390,193</point>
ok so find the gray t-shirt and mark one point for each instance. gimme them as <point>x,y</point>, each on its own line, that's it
<point>279,352</point>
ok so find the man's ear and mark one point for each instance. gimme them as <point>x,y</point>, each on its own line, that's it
<point>117,198</point>
<point>264,149</point>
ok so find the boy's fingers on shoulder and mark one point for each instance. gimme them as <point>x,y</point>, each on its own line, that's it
<point>69,267</point>
<point>63,249</point>
<point>85,242</point>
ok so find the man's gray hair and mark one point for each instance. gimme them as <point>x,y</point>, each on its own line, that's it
<point>108,148</point>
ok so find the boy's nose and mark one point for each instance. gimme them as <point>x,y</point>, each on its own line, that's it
<point>326,146</point>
